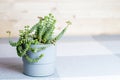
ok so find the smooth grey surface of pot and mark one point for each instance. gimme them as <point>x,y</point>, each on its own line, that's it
<point>45,66</point>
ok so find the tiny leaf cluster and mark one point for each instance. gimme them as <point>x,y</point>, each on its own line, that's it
<point>39,34</point>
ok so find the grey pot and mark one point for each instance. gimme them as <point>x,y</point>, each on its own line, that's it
<point>45,66</point>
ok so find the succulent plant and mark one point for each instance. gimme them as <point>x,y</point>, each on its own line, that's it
<point>40,33</point>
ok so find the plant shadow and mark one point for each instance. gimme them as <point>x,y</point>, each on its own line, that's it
<point>11,64</point>
<point>12,68</point>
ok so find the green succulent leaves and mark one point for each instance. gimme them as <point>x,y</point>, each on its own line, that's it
<point>41,33</point>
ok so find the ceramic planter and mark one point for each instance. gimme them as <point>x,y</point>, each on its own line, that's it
<point>45,66</point>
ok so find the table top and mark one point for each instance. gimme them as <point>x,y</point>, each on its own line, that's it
<point>94,59</point>
<point>82,67</point>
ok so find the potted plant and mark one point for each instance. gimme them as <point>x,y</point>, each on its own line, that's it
<point>36,46</point>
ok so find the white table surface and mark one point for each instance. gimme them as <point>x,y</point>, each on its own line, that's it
<point>82,67</point>
<point>93,59</point>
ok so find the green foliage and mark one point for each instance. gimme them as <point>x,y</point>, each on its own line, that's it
<point>39,34</point>
<point>33,60</point>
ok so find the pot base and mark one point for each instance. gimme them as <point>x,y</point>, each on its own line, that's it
<point>39,69</point>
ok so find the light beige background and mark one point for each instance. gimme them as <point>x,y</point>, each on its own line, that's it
<point>89,17</point>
